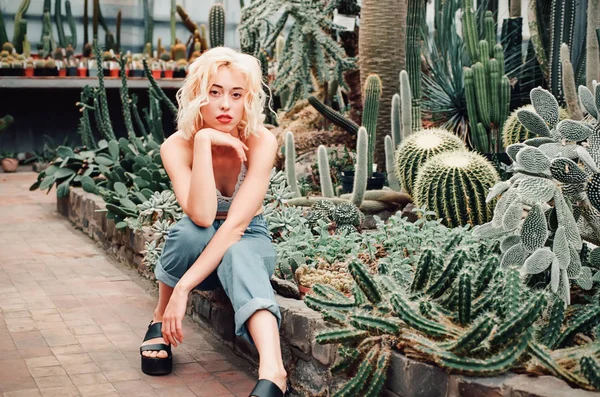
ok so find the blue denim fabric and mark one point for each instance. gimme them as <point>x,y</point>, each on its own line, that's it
<point>244,271</point>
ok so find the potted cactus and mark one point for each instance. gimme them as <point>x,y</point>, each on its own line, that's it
<point>181,68</point>
<point>136,69</point>
<point>156,70</point>
<point>51,67</point>
<point>71,67</point>
<point>39,67</point>
<point>82,69</point>
<point>375,180</point>
<point>169,69</point>
<point>29,68</point>
<point>17,68</point>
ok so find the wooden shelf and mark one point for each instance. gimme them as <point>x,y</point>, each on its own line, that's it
<point>80,82</point>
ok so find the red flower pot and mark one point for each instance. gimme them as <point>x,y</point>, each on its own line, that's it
<point>82,72</point>
<point>168,74</point>
<point>28,72</point>
<point>156,74</point>
<point>114,73</point>
<point>62,72</point>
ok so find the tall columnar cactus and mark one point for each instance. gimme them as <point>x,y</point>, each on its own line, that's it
<point>568,82</point>
<point>324,172</point>
<point>454,186</point>
<point>361,170</point>
<point>415,21</point>
<point>19,18</point>
<point>3,35</point>
<point>62,42</point>
<point>419,147</point>
<point>561,18</point>
<point>173,22</point>
<point>406,113</point>
<point>290,163</point>
<point>118,31</point>
<point>396,128</point>
<point>469,27</point>
<point>592,71</point>
<point>86,39</point>
<point>72,28</point>
<point>389,164</point>
<point>216,25</point>
<point>370,112</point>
<point>148,21</point>
<point>333,115</point>
<point>101,103</point>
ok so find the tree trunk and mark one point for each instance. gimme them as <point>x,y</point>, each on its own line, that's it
<point>382,43</point>
<point>593,54</point>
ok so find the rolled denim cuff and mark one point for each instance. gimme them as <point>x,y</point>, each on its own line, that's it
<point>246,311</point>
<point>162,275</point>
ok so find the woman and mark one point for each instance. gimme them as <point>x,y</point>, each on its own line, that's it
<point>219,162</point>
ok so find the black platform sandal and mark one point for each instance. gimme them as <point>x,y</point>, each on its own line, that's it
<point>156,365</point>
<point>266,388</point>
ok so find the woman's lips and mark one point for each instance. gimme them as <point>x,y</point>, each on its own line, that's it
<point>224,120</point>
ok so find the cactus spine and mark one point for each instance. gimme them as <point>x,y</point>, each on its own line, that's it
<point>290,163</point>
<point>20,28</point>
<point>369,117</point>
<point>360,169</point>
<point>324,173</point>
<point>216,25</point>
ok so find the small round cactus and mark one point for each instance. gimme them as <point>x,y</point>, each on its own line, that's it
<point>454,185</point>
<point>346,214</point>
<point>419,147</point>
<point>514,132</point>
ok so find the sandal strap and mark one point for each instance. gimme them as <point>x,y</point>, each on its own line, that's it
<point>156,347</point>
<point>154,331</point>
<point>266,388</point>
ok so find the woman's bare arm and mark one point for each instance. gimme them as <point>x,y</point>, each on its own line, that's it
<point>192,177</point>
<point>246,203</point>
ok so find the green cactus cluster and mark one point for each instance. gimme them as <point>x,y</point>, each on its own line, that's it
<point>344,216</point>
<point>417,149</point>
<point>462,311</point>
<point>454,185</point>
<point>216,25</point>
<point>554,182</point>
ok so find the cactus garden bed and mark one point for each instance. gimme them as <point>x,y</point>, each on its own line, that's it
<point>308,361</point>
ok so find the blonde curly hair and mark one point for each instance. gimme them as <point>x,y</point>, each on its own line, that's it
<point>194,92</point>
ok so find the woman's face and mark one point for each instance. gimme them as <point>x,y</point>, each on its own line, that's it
<point>225,108</point>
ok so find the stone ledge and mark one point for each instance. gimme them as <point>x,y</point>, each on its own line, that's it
<point>306,361</point>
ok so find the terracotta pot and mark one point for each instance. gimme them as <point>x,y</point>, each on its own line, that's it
<point>82,72</point>
<point>10,165</point>
<point>28,72</point>
<point>304,290</point>
<point>114,72</point>
<point>156,74</point>
<point>62,72</point>
<point>168,74</point>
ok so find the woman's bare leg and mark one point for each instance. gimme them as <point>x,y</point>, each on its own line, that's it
<point>164,294</point>
<point>265,333</point>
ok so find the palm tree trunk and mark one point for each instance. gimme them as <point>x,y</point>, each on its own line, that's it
<point>382,38</point>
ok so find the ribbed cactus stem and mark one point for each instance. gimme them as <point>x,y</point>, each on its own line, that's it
<point>390,164</point>
<point>482,94</point>
<point>148,32</point>
<point>490,31</point>
<point>71,23</point>
<point>216,25</point>
<point>324,172</point>
<point>26,47</point>
<point>290,163</point>
<point>469,27</point>
<point>494,79</point>
<point>414,22</point>
<point>334,116</point>
<point>360,168</point>
<point>125,101</point>
<point>17,34</point>
<point>95,19</point>
<point>372,95</point>
<point>395,122</point>
<point>568,81</point>
<point>405,105</point>
<point>62,42</point>
<point>173,22</point>
<point>85,22</point>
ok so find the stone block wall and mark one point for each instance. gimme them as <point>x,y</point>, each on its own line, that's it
<point>306,361</point>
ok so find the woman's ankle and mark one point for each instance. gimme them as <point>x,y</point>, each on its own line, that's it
<point>158,317</point>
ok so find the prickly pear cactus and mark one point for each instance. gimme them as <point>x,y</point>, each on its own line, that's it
<point>554,183</point>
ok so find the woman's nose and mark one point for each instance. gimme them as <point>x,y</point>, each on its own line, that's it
<point>225,103</point>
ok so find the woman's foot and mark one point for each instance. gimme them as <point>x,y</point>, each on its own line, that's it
<point>277,376</point>
<point>154,353</point>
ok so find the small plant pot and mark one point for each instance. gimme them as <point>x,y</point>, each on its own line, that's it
<point>137,73</point>
<point>93,72</point>
<point>375,182</point>
<point>304,290</point>
<point>52,72</point>
<point>156,74</point>
<point>168,74</point>
<point>10,165</point>
<point>72,71</point>
<point>62,72</point>
<point>180,74</point>
<point>39,72</point>
<point>29,72</point>
<point>82,72</point>
<point>114,73</point>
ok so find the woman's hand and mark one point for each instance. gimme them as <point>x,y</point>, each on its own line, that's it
<point>218,138</point>
<point>172,318</point>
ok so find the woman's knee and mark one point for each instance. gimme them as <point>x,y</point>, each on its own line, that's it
<point>183,246</point>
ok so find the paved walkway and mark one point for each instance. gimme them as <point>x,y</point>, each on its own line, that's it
<point>72,319</point>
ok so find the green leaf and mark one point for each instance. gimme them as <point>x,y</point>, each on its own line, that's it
<point>102,143</point>
<point>63,189</point>
<point>140,183</point>
<point>141,161</point>
<point>47,182</point>
<point>63,172</point>
<point>147,193</point>
<point>103,169</point>
<point>50,170</point>
<point>121,225</point>
<point>125,202</point>
<point>104,159</point>
<point>88,184</point>
<point>65,151</point>
<point>144,173</point>
<point>140,197</point>
<point>113,149</point>
<point>121,189</point>
<point>157,159</point>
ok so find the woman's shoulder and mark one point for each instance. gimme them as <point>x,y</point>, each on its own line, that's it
<point>263,137</point>
<point>176,140</point>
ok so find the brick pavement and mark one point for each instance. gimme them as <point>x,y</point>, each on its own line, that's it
<point>72,319</point>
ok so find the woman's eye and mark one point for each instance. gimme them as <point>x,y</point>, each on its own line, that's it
<point>214,92</point>
<point>237,95</point>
